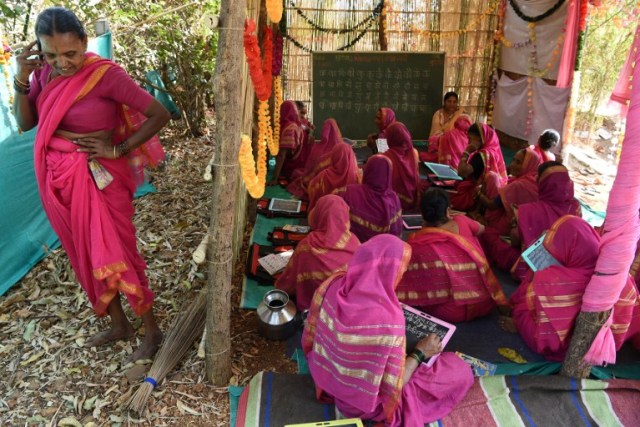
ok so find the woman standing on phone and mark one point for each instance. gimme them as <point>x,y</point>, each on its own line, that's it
<point>87,135</point>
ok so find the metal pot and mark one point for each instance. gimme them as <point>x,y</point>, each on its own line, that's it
<point>276,316</point>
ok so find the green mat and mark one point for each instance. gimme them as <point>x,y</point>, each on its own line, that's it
<point>252,292</point>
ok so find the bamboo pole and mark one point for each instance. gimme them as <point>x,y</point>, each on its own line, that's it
<point>228,107</point>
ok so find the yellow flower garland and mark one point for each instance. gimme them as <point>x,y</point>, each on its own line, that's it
<point>4,64</point>
<point>255,182</point>
<point>264,127</point>
<point>277,97</point>
<point>274,10</point>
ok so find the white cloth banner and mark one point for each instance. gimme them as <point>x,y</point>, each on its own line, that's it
<point>547,31</point>
<point>511,109</point>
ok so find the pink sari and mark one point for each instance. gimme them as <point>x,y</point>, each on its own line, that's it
<point>354,340</point>
<point>292,139</point>
<point>388,117</point>
<point>317,160</point>
<point>342,171</point>
<point>545,307</point>
<point>374,206</point>
<point>327,249</point>
<point>545,156</point>
<point>519,190</point>
<point>94,226</point>
<point>449,277</point>
<point>404,158</point>
<point>453,142</point>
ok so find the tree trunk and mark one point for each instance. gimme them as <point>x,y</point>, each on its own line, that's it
<point>227,85</point>
<point>587,327</point>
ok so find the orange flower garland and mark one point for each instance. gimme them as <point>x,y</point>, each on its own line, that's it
<point>5,56</point>
<point>274,10</point>
<point>255,182</point>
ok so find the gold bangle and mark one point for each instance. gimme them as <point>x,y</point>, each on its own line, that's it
<point>21,83</point>
<point>114,153</point>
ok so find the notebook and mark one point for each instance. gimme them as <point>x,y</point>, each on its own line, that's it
<point>443,172</point>
<point>537,256</point>
<point>381,145</point>
<point>412,222</point>
<point>419,325</point>
<point>285,205</point>
<point>274,263</point>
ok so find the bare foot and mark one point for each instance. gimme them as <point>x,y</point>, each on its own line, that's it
<point>113,334</point>
<point>507,324</point>
<point>148,348</point>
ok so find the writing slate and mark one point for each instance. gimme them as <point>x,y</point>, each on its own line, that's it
<point>351,86</point>
<point>419,325</point>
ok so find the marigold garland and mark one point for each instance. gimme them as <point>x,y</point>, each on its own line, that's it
<point>274,10</point>
<point>277,54</point>
<point>264,128</point>
<point>252,51</point>
<point>267,60</point>
<point>277,101</point>
<point>5,56</point>
<point>255,182</point>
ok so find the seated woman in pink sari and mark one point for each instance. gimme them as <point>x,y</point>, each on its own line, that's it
<point>483,142</point>
<point>545,307</point>
<point>327,249</point>
<point>547,140</point>
<point>449,276</point>
<point>294,149</point>
<point>374,206</point>
<point>317,161</point>
<point>521,188</point>
<point>555,199</point>
<point>444,118</point>
<point>404,157</point>
<point>384,117</point>
<point>342,171</point>
<point>354,339</point>
<point>80,104</point>
<point>452,143</point>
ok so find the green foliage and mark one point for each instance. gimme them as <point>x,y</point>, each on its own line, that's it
<point>609,36</point>
<point>170,36</point>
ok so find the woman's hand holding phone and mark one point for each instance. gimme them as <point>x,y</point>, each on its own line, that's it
<point>29,60</point>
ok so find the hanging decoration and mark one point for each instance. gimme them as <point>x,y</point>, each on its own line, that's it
<point>538,18</point>
<point>255,182</point>
<point>277,85</point>
<point>488,12</point>
<point>346,46</point>
<point>260,72</point>
<point>582,30</point>
<point>274,10</point>
<point>366,21</point>
<point>5,57</point>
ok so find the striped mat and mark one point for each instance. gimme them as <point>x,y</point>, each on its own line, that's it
<point>273,400</point>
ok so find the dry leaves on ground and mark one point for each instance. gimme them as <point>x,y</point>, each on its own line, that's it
<point>50,378</point>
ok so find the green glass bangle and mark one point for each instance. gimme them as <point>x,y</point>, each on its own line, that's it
<point>418,355</point>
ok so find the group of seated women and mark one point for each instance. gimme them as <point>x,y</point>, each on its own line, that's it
<point>352,271</point>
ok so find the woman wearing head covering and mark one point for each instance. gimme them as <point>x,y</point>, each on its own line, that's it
<point>520,189</point>
<point>317,160</point>
<point>374,206</point>
<point>546,306</point>
<point>448,276</point>
<point>325,250</point>
<point>404,158</point>
<point>342,171</point>
<point>354,340</point>
<point>453,142</point>
<point>484,146</point>
<point>555,199</point>
<point>384,117</point>
<point>293,148</point>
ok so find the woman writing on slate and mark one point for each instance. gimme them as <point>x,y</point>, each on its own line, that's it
<point>354,340</point>
<point>449,276</point>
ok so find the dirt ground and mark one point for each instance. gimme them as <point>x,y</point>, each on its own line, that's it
<point>50,379</point>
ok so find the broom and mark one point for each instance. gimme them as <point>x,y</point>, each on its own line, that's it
<point>186,329</point>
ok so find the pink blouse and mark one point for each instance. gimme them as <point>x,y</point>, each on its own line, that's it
<point>98,110</point>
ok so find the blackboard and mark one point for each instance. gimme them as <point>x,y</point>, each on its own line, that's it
<point>419,325</point>
<point>351,86</point>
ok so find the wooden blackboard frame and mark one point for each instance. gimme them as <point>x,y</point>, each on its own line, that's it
<point>351,86</point>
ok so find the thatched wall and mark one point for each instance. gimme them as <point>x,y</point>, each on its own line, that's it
<point>462,28</point>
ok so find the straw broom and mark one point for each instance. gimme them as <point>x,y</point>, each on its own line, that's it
<point>184,332</point>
